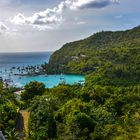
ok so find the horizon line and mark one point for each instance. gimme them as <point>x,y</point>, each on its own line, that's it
<point>27,52</point>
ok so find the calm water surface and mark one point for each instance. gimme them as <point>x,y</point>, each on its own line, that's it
<point>8,60</point>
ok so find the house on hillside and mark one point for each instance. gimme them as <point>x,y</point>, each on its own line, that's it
<point>18,94</point>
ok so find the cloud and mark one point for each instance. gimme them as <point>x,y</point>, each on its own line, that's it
<point>81,22</point>
<point>51,18</point>
<point>47,19</point>
<point>3,27</point>
<point>3,2</point>
<point>84,4</point>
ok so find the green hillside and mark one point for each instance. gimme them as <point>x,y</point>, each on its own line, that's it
<point>86,55</point>
<point>110,54</point>
<point>107,106</point>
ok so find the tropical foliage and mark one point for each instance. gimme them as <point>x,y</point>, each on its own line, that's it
<point>9,111</point>
<point>106,107</point>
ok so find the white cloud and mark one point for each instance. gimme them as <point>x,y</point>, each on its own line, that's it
<point>3,27</point>
<point>6,31</point>
<point>4,2</point>
<point>51,18</point>
<point>47,19</point>
<point>81,22</point>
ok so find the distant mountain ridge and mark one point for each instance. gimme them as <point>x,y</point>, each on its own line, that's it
<point>119,48</point>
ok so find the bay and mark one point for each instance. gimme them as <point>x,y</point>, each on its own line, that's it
<point>9,60</point>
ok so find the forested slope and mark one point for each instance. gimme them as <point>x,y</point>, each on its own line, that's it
<point>114,54</point>
<point>107,106</point>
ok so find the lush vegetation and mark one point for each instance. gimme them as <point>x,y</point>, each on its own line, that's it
<point>93,112</point>
<point>31,90</point>
<point>9,112</point>
<point>106,107</point>
<point>111,54</point>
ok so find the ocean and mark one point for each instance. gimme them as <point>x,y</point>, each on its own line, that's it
<point>15,60</point>
<point>23,59</point>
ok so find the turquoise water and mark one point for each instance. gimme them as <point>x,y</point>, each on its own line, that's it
<point>9,60</point>
<point>49,80</point>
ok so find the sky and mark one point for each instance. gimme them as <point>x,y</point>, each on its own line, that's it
<point>45,25</point>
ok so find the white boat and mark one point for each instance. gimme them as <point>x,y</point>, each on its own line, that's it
<point>62,79</point>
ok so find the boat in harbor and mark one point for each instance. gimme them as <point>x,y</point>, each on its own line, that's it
<point>82,82</point>
<point>62,79</point>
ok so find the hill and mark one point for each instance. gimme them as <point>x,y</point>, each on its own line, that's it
<point>106,107</point>
<point>114,54</point>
